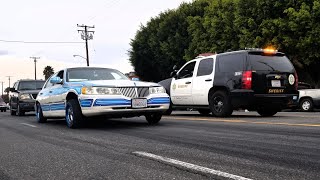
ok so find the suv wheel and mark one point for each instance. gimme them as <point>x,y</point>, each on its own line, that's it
<point>19,111</point>
<point>267,112</point>
<point>39,115</point>
<point>153,118</point>
<point>306,104</point>
<point>74,115</point>
<point>220,104</point>
<point>204,111</point>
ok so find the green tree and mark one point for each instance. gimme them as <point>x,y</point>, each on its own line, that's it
<point>48,71</point>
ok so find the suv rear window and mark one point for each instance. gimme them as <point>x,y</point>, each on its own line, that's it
<point>30,85</point>
<point>261,62</point>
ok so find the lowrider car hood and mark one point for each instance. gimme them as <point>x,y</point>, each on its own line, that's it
<point>30,91</point>
<point>119,83</point>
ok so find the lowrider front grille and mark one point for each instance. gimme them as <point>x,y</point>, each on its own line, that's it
<point>134,92</point>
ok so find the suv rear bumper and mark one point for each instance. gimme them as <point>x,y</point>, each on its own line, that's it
<point>249,100</point>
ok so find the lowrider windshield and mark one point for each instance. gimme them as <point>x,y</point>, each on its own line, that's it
<point>89,74</point>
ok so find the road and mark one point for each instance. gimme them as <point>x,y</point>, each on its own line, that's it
<point>244,145</point>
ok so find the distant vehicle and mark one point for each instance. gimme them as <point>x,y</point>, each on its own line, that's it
<point>3,105</point>
<point>261,80</point>
<point>309,97</point>
<point>76,93</point>
<point>22,96</point>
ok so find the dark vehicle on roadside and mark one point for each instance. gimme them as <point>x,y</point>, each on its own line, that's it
<point>3,105</point>
<point>22,96</point>
<point>262,80</point>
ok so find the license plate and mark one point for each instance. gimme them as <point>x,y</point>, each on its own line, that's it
<point>139,103</point>
<point>275,83</point>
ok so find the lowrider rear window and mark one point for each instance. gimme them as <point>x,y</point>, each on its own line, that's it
<point>91,74</point>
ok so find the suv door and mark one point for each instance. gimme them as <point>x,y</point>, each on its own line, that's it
<point>203,81</point>
<point>181,86</point>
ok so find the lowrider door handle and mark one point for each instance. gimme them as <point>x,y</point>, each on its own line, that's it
<point>50,91</point>
<point>188,82</point>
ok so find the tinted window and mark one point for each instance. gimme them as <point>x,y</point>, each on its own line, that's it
<point>205,67</point>
<point>231,62</point>
<point>89,74</point>
<point>270,63</point>
<point>187,71</point>
<point>30,85</point>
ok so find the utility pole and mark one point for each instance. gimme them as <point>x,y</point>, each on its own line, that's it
<point>9,80</point>
<point>1,88</point>
<point>86,35</point>
<point>35,66</point>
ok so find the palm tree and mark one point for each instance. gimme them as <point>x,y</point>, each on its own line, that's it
<point>48,71</point>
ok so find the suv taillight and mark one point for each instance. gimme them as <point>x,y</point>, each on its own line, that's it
<point>296,80</point>
<point>246,79</point>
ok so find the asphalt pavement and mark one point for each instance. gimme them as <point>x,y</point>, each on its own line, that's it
<point>184,145</point>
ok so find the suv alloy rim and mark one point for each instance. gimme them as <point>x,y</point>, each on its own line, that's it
<point>218,104</point>
<point>306,105</point>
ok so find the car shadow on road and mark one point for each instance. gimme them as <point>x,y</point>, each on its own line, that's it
<point>108,124</point>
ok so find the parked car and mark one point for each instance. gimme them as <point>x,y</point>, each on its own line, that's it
<point>309,97</point>
<point>261,80</point>
<point>22,96</point>
<point>3,105</point>
<point>77,93</point>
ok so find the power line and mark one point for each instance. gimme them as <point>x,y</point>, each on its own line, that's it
<point>40,42</point>
<point>86,35</point>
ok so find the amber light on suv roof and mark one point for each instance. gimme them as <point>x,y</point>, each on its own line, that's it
<point>270,51</point>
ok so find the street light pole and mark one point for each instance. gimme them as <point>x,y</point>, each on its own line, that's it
<point>35,66</point>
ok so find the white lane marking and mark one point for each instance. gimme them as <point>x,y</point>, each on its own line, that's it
<point>188,166</point>
<point>26,124</point>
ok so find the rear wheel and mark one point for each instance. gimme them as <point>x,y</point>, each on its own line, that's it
<point>204,111</point>
<point>153,118</point>
<point>267,112</point>
<point>74,115</point>
<point>306,104</point>
<point>220,104</point>
<point>39,114</point>
<point>12,112</point>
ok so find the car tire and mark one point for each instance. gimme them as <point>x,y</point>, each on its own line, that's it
<point>204,111</point>
<point>220,104</point>
<point>169,111</point>
<point>153,118</point>
<point>12,112</point>
<point>267,112</point>
<point>74,115</point>
<point>306,105</point>
<point>19,111</point>
<point>5,110</point>
<point>39,114</point>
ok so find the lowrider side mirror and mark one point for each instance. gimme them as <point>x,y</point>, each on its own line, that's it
<point>56,80</point>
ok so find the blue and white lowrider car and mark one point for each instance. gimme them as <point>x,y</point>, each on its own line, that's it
<point>76,93</point>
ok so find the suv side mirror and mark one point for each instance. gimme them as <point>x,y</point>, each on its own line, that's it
<point>56,80</point>
<point>173,73</point>
<point>175,67</point>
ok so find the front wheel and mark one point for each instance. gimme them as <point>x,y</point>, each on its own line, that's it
<point>12,112</point>
<point>220,104</point>
<point>39,115</point>
<point>153,118</point>
<point>74,115</point>
<point>20,112</point>
<point>267,112</point>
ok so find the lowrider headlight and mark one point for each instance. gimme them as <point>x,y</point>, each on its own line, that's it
<point>100,91</point>
<point>156,90</point>
<point>25,96</point>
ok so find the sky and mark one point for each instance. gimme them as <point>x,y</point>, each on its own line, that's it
<point>116,23</point>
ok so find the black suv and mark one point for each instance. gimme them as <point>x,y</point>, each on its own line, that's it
<point>22,96</point>
<point>259,80</point>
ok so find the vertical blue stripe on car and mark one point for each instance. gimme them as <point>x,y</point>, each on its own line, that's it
<point>86,102</point>
<point>111,102</point>
<point>161,100</point>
